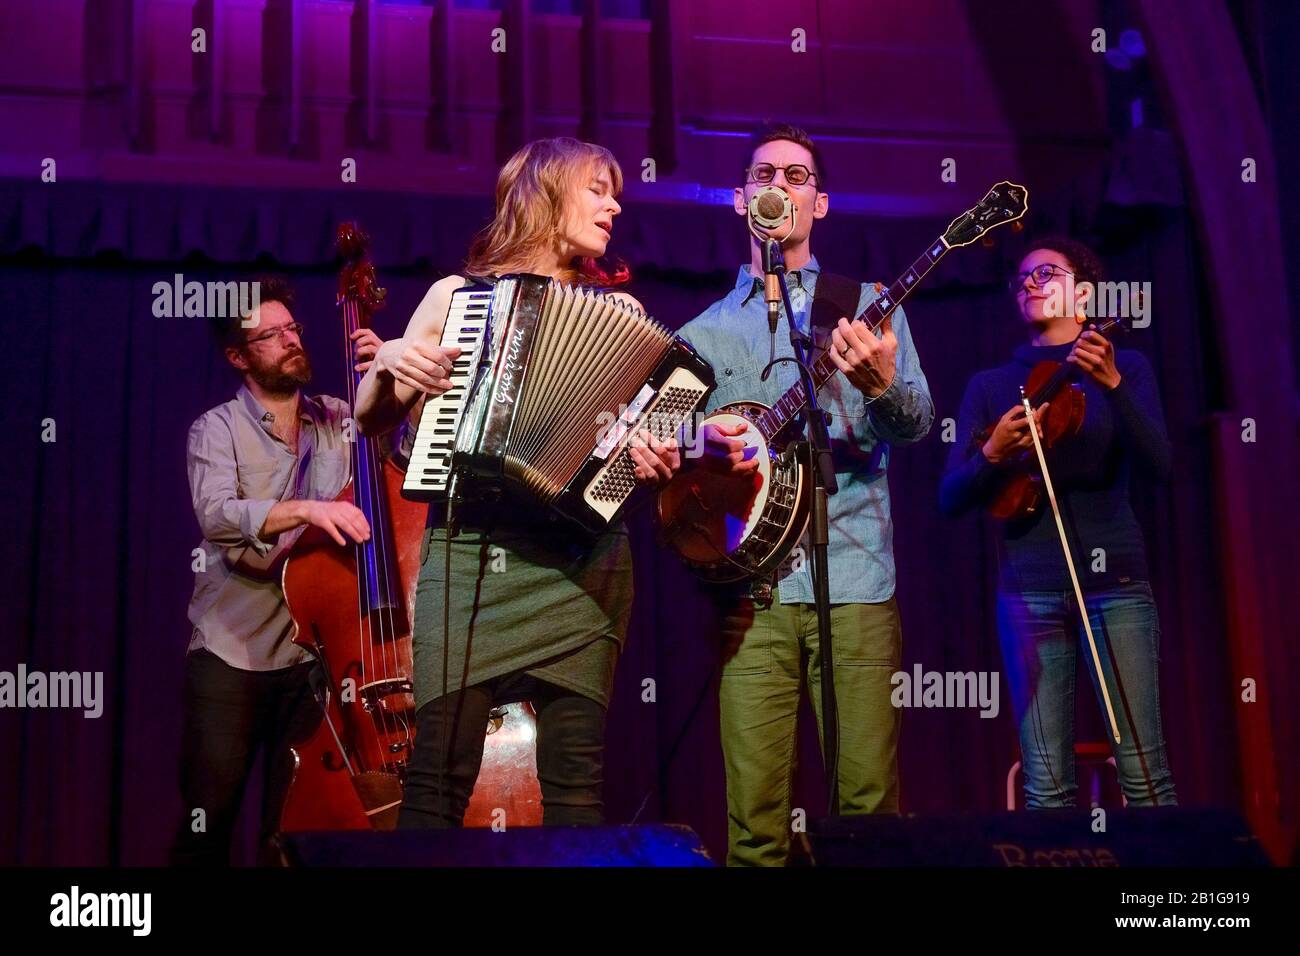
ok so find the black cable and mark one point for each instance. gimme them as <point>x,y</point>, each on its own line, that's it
<point>677,740</point>
<point>446,644</point>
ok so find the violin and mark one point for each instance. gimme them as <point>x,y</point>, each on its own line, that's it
<point>1056,384</point>
<point>1053,375</point>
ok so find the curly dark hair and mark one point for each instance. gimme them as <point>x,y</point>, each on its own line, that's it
<point>1087,265</point>
<point>228,331</point>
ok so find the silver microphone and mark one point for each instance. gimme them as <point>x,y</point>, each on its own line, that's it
<point>769,208</point>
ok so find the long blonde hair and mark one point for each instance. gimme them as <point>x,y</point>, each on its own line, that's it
<point>533,190</point>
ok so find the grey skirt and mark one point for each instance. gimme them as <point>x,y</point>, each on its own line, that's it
<point>528,598</point>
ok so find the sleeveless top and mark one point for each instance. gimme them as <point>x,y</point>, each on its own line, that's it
<point>529,593</point>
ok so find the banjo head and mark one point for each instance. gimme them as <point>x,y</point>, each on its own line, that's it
<point>708,517</point>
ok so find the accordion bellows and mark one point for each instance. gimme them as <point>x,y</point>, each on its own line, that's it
<point>552,382</point>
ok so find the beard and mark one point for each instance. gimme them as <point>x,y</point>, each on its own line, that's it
<point>284,377</point>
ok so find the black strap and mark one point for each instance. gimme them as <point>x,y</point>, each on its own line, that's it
<point>836,296</point>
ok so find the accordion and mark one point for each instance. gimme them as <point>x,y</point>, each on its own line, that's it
<point>552,383</point>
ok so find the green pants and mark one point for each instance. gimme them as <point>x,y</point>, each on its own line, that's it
<point>769,655</point>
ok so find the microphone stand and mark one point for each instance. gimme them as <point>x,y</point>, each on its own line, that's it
<point>817,454</point>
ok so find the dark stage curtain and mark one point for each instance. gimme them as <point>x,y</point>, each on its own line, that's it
<point>99,527</point>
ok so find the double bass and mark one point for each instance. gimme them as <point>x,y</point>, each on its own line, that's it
<point>352,608</point>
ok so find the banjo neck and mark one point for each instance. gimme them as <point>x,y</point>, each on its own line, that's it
<point>791,404</point>
<point>730,528</point>
<point>1005,202</point>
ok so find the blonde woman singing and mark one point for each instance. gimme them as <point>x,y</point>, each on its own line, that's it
<point>536,612</point>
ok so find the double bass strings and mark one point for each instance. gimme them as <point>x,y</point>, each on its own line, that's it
<point>377,669</point>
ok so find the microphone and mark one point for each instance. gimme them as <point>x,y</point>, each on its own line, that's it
<point>769,208</point>
<point>772,260</point>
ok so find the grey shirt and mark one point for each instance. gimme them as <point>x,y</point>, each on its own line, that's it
<point>238,470</point>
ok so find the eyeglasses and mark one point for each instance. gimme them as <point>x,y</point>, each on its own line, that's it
<point>294,327</point>
<point>1040,274</point>
<point>764,173</point>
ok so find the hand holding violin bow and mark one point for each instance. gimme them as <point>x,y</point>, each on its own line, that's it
<point>1010,437</point>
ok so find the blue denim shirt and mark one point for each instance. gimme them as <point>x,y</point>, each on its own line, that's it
<point>732,336</point>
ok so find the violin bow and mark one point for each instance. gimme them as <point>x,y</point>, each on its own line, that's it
<point>1069,562</point>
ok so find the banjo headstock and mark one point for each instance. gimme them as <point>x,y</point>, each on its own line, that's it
<point>1005,202</point>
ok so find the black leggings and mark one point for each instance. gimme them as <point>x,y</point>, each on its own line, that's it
<point>570,753</point>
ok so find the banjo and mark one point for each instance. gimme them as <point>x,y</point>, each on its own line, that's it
<point>730,528</point>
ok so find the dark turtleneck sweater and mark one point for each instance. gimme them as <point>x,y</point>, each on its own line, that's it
<point>1122,428</point>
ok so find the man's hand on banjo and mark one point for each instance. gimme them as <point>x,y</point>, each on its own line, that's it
<point>724,452</point>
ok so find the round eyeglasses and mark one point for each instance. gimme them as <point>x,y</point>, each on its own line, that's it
<point>294,327</point>
<point>795,175</point>
<point>1040,274</point>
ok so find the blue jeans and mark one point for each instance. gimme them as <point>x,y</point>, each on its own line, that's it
<point>1042,637</point>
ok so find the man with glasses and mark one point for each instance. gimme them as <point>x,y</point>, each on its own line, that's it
<point>769,633</point>
<point>262,467</point>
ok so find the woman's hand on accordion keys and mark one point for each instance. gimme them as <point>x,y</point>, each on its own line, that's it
<point>655,461</point>
<point>418,365</point>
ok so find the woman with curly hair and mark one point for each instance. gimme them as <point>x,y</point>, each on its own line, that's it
<point>1038,620</point>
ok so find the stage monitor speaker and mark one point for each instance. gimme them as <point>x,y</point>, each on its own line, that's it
<point>651,845</point>
<point>1147,837</point>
